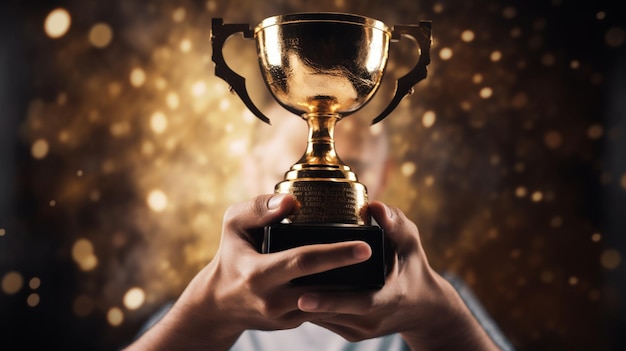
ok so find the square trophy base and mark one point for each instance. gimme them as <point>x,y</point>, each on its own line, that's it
<point>365,275</point>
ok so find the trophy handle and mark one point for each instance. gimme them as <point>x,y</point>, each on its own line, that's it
<point>219,33</point>
<point>404,86</point>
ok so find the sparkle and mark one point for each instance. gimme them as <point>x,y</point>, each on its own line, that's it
<point>100,35</point>
<point>32,300</point>
<point>134,298</point>
<point>83,255</point>
<point>57,23</point>
<point>610,259</point>
<point>137,77</point>
<point>467,36</point>
<point>40,149</point>
<point>12,282</point>
<point>34,283</point>
<point>445,53</point>
<point>158,122</point>
<point>157,200</point>
<point>486,92</point>
<point>115,316</point>
<point>428,119</point>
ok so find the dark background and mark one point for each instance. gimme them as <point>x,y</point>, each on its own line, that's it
<point>521,193</point>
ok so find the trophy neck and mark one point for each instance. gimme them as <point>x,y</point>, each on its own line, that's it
<point>320,154</point>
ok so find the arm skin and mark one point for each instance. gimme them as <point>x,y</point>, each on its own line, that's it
<point>416,301</point>
<point>242,289</point>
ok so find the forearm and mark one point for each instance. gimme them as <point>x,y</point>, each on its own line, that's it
<point>452,326</point>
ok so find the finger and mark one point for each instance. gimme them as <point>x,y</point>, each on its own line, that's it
<point>310,259</point>
<point>402,232</point>
<point>350,303</point>
<point>258,212</point>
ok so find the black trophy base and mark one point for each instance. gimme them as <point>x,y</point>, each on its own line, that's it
<point>365,275</point>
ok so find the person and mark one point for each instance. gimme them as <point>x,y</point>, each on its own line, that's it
<point>242,299</point>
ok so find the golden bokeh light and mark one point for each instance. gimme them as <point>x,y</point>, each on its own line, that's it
<point>615,37</point>
<point>2,231</point>
<point>100,35</point>
<point>495,56</point>
<point>157,200</point>
<point>408,168</point>
<point>536,196</point>
<point>610,259</point>
<point>33,300</point>
<point>595,237</point>
<point>467,35</point>
<point>12,282</point>
<point>83,254</point>
<point>34,283</point>
<point>179,14</point>
<point>40,149</point>
<point>428,119</point>
<point>57,23</point>
<point>158,122</point>
<point>115,316</point>
<point>445,53</point>
<point>520,191</point>
<point>137,77</point>
<point>172,100</point>
<point>185,45</point>
<point>486,92</point>
<point>134,298</point>
<point>553,139</point>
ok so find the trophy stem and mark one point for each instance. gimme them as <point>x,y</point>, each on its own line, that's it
<point>321,145</point>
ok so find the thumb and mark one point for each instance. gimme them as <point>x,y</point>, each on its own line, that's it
<point>259,212</point>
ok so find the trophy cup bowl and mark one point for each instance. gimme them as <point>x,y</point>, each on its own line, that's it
<point>323,67</point>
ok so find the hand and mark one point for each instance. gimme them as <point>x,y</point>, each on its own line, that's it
<point>242,289</point>
<point>415,301</point>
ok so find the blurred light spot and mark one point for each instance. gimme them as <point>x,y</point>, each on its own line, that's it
<point>519,167</point>
<point>466,106</point>
<point>147,148</point>
<point>83,305</point>
<point>115,316</point>
<point>198,88</point>
<point>52,203</point>
<point>179,15</point>
<point>115,89</point>
<point>211,5</point>
<point>57,23</point>
<point>595,131</point>
<point>429,181</point>
<point>408,168</point>
<point>34,283</point>
<point>601,15</point>
<point>32,300</point>
<point>623,181</point>
<point>429,118</point>
<point>575,64</point>
<point>493,233</point>
<point>62,99</point>
<point>12,282</point>
<point>134,298</point>
<point>185,45</point>
<point>486,92</point>
<point>238,147</point>
<point>376,129</point>
<point>438,8</point>
<point>158,122</point>
<point>509,12</point>
<point>556,222</point>
<point>519,100</point>
<point>82,253</point>
<point>573,280</point>
<point>467,35</point>
<point>445,53</point>
<point>595,237</point>
<point>516,32</point>
<point>536,196</point>
<point>596,78</point>
<point>224,104</point>
<point>610,259</point>
<point>40,148</point>
<point>2,231</point>
<point>100,35</point>
<point>615,37</point>
<point>157,200</point>
<point>119,129</point>
<point>515,254</point>
<point>137,77</point>
<point>172,100</point>
<point>477,78</point>
<point>495,56</point>
<point>547,276</point>
<point>594,295</point>
<point>160,83</point>
<point>548,59</point>
<point>520,191</point>
<point>539,24</point>
<point>553,139</point>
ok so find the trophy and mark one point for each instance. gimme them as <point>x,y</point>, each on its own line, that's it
<point>324,67</point>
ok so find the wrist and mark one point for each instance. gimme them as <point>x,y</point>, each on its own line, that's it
<point>448,324</point>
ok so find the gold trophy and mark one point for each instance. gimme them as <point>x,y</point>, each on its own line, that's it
<point>323,67</point>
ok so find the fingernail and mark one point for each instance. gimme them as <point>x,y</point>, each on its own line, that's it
<point>309,302</point>
<point>361,252</point>
<point>275,201</point>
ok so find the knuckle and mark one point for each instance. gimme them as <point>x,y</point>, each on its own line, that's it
<point>269,309</point>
